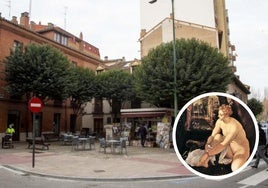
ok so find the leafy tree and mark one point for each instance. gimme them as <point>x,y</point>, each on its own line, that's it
<point>115,86</point>
<point>81,89</point>
<point>40,70</point>
<point>255,106</point>
<point>200,69</point>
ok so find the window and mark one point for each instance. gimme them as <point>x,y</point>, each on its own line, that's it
<point>60,39</point>
<point>98,108</point>
<point>99,71</point>
<point>17,44</point>
<point>74,64</point>
<point>64,40</point>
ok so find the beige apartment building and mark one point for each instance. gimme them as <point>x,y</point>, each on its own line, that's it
<point>217,37</point>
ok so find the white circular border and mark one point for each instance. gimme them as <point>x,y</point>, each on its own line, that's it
<point>175,143</point>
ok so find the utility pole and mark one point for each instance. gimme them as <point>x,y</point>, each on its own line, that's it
<point>65,17</point>
<point>30,8</point>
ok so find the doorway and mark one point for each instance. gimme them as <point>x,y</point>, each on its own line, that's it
<point>14,118</point>
<point>98,127</point>
<point>73,123</point>
<point>56,123</point>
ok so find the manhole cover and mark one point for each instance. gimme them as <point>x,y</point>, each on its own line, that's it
<point>98,171</point>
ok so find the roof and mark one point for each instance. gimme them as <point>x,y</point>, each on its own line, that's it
<point>240,85</point>
<point>39,34</point>
<point>145,112</point>
<point>146,33</point>
<point>121,64</point>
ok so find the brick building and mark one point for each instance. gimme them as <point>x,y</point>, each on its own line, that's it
<point>56,116</point>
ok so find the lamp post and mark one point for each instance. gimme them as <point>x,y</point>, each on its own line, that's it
<point>174,58</point>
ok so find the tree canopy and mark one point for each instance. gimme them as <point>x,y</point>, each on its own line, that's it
<point>200,69</point>
<point>82,87</point>
<point>116,86</point>
<point>40,70</point>
<point>255,106</point>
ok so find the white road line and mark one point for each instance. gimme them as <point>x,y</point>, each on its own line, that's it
<point>254,179</point>
<point>11,170</point>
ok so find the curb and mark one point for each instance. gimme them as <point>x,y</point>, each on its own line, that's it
<point>97,179</point>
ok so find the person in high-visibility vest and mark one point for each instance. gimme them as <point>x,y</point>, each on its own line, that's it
<point>10,130</point>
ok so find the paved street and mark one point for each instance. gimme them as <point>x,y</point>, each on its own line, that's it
<point>141,167</point>
<point>249,178</point>
<point>63,161</point>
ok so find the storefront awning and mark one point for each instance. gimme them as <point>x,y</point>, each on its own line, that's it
<point>145,112</point>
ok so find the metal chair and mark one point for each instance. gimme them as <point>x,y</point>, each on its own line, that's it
<point>75,142</point>
<point>123,144</point>
<point>7,141</point>
<point>91,141</point>
<point>67,139</point>
<point>103,144</point>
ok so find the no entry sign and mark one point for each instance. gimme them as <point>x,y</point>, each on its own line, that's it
<point>35,105</point>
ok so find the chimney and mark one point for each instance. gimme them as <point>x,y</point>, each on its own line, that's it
<point>142,32</point>
<point>50,25</point>
<point>24,19</point>
<point>81,36</point>
<point>171,16</point>
<point>32,25</point>
<point>14,20</point>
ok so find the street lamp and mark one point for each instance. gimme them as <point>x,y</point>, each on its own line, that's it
<point>174,58</point>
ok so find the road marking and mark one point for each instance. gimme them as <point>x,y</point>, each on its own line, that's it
<point>11,170</point>
<point>254,179</point>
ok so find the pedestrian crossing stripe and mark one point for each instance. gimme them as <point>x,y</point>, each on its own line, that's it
<point>254,179</point>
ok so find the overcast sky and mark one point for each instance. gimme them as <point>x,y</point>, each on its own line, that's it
<point>114,26</point>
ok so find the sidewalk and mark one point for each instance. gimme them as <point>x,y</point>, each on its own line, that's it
<point>61,161</point>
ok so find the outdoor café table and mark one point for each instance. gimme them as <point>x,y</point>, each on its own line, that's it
<point>83,142</point>
<point>113,144</point>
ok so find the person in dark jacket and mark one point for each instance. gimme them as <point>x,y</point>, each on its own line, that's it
<point>143,133</point>
<point>261,148</point>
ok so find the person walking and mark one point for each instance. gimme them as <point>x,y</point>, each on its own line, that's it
<point>143,133</point>
<point>261,151</point>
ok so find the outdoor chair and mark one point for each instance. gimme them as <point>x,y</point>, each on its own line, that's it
<point>123,145</point>
<point>103,144</point>
<point>91,141</point>
<point>75,142</point>
<point>7,141</point>
<point>67,139</point>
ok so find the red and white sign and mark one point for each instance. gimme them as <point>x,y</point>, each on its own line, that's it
<point>35,105</point>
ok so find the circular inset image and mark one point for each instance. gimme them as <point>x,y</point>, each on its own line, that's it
<point>215,135</point>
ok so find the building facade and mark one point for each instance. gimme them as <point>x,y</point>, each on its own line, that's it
<point>215,32</point>
<point>56,116</point>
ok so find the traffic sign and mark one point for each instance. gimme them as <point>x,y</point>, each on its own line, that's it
<point>35,105</point>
